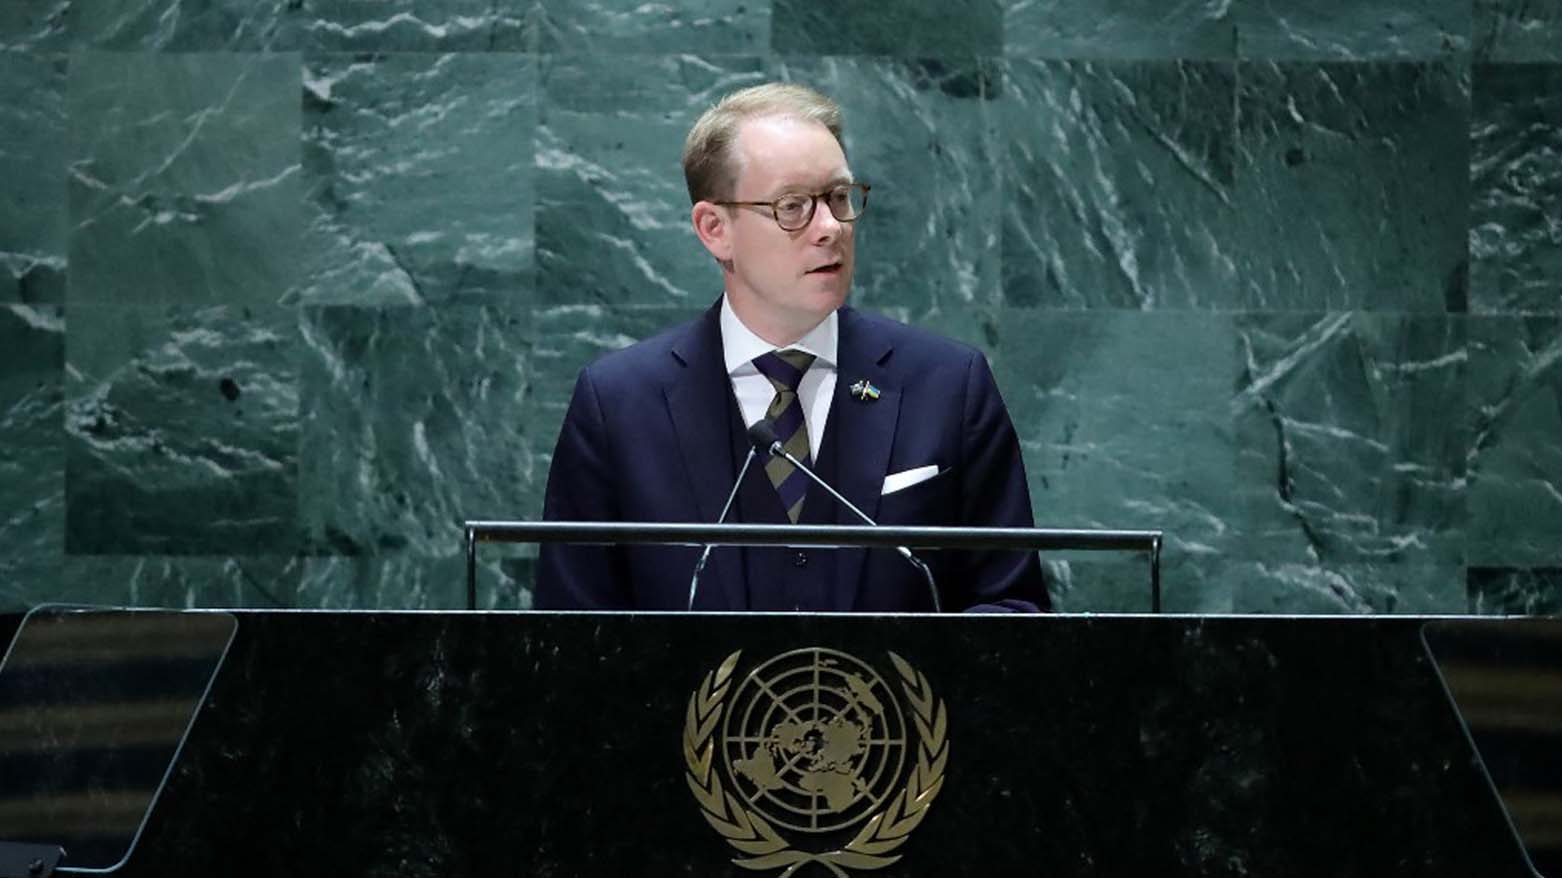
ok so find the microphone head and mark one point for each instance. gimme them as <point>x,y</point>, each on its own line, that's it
<point>763,436</point>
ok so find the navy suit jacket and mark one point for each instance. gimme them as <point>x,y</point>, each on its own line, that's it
<point>653,433</point>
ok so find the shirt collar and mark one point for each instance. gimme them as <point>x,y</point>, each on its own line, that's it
<point>740,345</point>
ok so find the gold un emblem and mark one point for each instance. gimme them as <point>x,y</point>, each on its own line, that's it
<point>810,759</point>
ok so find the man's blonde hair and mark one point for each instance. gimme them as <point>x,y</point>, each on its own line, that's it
<point>709,168</point>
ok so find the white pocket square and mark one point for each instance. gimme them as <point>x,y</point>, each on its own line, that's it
<point>903,480</point>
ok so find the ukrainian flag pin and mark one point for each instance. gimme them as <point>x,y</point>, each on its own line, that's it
<point>865,391</point>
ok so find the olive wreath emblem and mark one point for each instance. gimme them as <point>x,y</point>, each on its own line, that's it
<point>761,846</point>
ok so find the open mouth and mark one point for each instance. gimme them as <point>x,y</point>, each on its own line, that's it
<point>832,268</point>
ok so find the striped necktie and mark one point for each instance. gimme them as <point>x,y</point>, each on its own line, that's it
<point>785,371</point>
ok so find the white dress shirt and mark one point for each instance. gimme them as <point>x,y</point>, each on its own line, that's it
<point>754,391</point>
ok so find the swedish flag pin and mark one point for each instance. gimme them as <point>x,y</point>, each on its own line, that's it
<point>865,391</point>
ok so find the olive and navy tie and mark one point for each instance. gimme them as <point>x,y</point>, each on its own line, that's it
<point>785,371</point>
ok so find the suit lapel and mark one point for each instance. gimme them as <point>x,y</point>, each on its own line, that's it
<point>697,401</point>
<point>867,433</point>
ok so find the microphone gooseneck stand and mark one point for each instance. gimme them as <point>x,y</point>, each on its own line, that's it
<point>694,580</point>
<point>763,436</point>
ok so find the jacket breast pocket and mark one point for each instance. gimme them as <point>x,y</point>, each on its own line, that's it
<point>931,502</point>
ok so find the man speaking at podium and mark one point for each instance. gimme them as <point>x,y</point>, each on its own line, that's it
<point>908,425</point>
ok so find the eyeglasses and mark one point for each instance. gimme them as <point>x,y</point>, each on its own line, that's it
<point>795,210</point>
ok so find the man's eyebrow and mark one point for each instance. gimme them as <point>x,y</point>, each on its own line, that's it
<point>837,180</point>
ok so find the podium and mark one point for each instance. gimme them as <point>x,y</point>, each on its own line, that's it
<point>651,744</point>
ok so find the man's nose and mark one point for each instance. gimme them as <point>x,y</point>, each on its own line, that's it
<point>824,226</point>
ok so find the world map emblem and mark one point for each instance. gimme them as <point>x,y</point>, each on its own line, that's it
<point>814,757</point>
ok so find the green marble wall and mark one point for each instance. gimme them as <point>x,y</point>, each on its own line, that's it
<point>289,288</point>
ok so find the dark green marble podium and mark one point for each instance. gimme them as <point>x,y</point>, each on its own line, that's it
<point>533,744</point>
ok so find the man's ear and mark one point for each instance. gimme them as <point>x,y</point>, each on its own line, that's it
<point>714,227</point>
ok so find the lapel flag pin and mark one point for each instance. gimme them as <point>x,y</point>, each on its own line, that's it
<point>865,391</point>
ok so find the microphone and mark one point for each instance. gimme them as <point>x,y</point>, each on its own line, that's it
<point>763,437</point>
<point>699,566</point>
